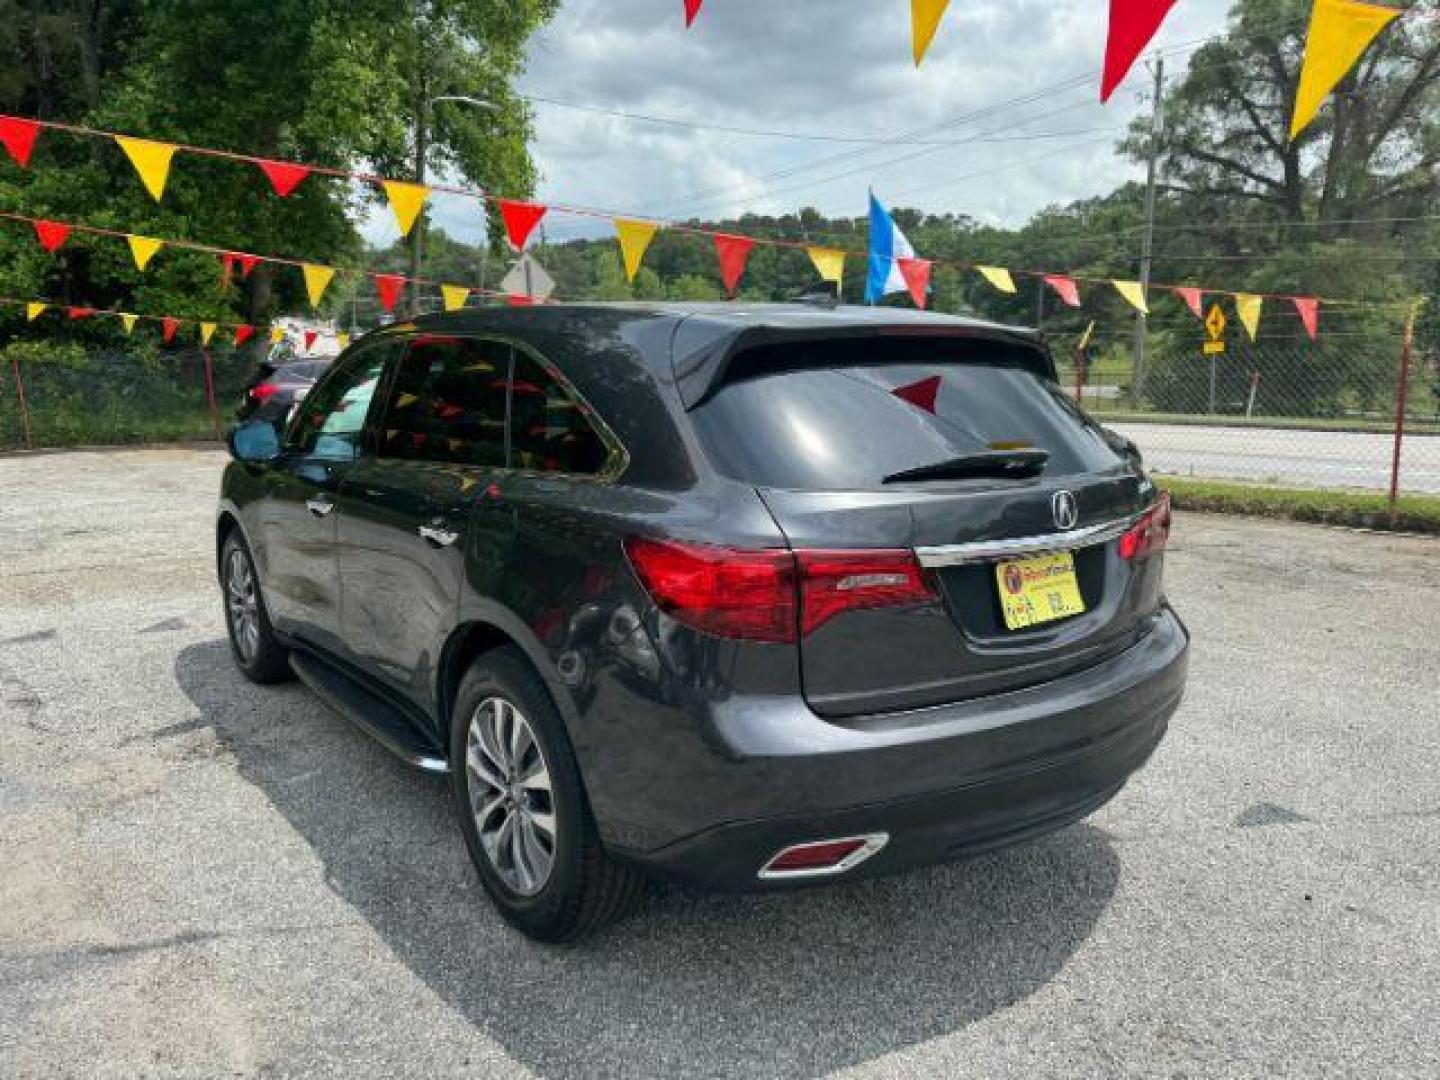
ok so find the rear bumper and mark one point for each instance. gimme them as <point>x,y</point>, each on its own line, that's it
<point>943,782</point>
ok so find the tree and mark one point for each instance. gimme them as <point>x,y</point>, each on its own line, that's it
<point>1373,151</point>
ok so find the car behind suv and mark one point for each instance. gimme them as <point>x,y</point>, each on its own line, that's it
<point>748,596</point>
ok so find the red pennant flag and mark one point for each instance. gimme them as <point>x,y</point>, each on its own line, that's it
<point>80,312</point>
<point>734,253</point>
<point>921,394</point>
<point>51,234</point>
<point>284,176</point>
<point>1309,309</point>
<point>1132,24</point>
<point>243,333</point>
<point>520,220</point>
<point>521,300</point>
<point>310,336</point>
<point>1194,300</point>
<point>168,326</point>
<point>18,135</point>
<point>692,8</point>
<point>389,286</point>
<point>1068,289</point>
<point>916,273</point>
<point>247,262</point>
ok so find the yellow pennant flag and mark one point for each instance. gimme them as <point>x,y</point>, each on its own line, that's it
<point>33,311</point>
<point>1340,31</point>
<point>999,277</point>
<point>454,296</point>
<point>406,201</point>
<point>1134,293</point>
<point>925,16</point>
<point>635,237</point>
<point>151,161</point>
<point>829,264</point>
<point>1248,308</point>
<point>143,249</point>
<point>317,280</point>
<point>207,331</point>
<point>277,335</point>
<point>342,341</point>
<point>129,321</point>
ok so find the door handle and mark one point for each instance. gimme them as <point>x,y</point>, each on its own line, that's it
<point>319,505</point>
<point>438,535</point>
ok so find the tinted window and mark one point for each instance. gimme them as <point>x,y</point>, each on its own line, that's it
<point>549,431</point>
<point>845,415</point>
<point>448,402</point>
<point>331,421</point>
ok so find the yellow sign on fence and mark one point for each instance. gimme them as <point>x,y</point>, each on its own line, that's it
<point>1215,324</point>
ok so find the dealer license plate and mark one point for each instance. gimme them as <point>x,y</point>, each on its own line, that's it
<point>1041,590</point>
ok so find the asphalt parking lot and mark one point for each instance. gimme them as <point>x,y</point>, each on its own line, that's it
<point>201,878</point>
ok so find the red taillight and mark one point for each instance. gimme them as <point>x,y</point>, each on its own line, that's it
<point>1149,535</point>
<point>745,594</point>
<point>823,857</point>
<point>832,582</point>
<point>264,391</point>
<point>772,595</point>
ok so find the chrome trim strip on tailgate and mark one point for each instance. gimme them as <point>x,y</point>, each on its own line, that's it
<point>991,550</point>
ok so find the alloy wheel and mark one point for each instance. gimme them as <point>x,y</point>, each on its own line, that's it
<point>510,795</point>
<point>242,605</point>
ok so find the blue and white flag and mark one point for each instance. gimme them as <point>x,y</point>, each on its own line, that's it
<point>887,246</point>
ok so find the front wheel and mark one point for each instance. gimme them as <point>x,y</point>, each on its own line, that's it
<point>523,810</point>
<point>257,651</point>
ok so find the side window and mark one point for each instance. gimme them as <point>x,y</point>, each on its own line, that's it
<point>549,428</point>
<point>330,422</point>
<point>448,402</point>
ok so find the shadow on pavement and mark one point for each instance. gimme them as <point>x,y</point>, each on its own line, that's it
<point>690,985</point>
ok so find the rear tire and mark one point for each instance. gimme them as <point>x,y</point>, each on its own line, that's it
<point>257,651</point>
<point>523,810</point>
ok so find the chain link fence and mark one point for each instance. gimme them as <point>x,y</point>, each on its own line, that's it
<point>1288,411</point>
<point>73,396</point>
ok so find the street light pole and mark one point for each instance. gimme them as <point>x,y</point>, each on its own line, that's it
<point>426,106</point>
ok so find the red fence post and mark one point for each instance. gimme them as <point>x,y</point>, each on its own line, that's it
<point>24,408</point>
<point>210,393</point>
<point>1402,388</point>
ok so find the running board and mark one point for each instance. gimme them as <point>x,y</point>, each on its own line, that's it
<point>383,722</point>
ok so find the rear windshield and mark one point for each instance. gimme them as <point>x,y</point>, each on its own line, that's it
<point>845,415</point>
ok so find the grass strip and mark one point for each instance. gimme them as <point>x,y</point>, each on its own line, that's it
<point>1358,509</point>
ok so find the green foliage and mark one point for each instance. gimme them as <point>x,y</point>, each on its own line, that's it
<point>336,84</point>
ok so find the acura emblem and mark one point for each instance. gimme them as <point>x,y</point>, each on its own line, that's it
<point>1062,505</point>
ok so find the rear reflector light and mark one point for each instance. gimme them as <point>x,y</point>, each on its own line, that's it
<point>264,391</point>
<point>1149,535</point>
<point>772,595</point>
<point>823,857</point>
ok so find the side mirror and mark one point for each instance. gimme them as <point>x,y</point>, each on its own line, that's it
<point>256,440</point>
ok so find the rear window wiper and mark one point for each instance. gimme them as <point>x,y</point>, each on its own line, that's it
<point>1002,464</point>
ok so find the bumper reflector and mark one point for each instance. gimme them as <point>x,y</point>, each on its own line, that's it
<point>822,857</point>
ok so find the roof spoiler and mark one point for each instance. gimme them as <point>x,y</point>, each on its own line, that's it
<point>702,352</point>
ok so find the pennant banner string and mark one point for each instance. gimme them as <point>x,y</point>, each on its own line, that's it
<point>632,224</point>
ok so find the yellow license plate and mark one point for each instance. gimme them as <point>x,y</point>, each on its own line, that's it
<point>1041,590</point>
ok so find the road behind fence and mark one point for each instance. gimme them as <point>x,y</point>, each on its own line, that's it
<point>1289,412</point>
<point>1313,414</point>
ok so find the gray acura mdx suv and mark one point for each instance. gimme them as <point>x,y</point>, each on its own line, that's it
<point>748,596</point>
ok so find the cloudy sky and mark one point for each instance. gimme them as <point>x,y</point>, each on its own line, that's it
<point>1002,120</point>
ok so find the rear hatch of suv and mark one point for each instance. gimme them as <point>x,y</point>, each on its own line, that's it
<point>961,455</point>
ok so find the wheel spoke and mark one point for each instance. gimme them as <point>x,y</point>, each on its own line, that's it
<point>537,779</point>
<point>544,822</point>
<point>480,765</point>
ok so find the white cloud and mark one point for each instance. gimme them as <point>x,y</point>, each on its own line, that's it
<point>995,78</point>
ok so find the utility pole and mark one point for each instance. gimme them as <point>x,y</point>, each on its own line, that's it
<point>1148,243</point>
<point>417,234</point>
